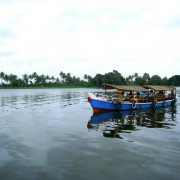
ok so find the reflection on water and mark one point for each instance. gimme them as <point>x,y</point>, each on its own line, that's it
<point>113,124</point>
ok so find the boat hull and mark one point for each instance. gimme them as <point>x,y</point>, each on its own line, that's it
<point>99,105</point>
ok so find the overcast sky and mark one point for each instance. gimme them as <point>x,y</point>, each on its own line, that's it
<point>90,37</point>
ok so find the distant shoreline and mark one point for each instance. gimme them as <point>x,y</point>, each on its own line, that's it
<point>57,87</point>
<point>63,87</point>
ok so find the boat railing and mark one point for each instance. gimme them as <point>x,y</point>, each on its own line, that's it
<point>103,97</point>
<point>133,98</point>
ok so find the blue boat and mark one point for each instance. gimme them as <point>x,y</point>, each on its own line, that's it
<point>132,97</point>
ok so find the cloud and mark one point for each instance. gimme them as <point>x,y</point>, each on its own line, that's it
<point>5,32</point>
<point>5,2</point>
<point>90,37</point>
<point>8,53</point>
<point>174,22</point>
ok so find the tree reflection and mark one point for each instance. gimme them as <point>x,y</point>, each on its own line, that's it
<point>113,124</point>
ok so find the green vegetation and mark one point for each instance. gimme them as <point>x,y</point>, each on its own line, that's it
<point>66,80</point>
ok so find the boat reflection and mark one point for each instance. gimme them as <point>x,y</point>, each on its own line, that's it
<point>112,124</point>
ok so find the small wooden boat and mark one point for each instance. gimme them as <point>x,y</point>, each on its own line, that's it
<point>132,97</point>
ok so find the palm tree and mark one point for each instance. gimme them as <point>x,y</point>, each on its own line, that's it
<point>30,79</point>
<point>89,78</point>
<point>52,78</point>
<point>129,80</point>
<point>34,77</point>
<point>85,77</point>
<point>146,78</point>
<point>2,77</point>
<point>68,79</point>
<point>63,75</point>
<point>6,78</point>
<point>26,79</point>
<point>13,80</point>
<point>42,79</point>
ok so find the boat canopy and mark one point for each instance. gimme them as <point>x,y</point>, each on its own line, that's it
<point>125,88</point>
<point>160,88</point>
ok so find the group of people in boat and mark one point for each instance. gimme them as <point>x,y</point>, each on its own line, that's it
<point>145,96</point>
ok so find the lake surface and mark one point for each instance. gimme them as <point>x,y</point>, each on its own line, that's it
<point>53,134</point>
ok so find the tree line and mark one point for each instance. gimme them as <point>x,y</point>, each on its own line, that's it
<point>67,80</point>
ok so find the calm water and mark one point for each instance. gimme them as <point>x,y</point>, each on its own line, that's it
<point>53,134</point>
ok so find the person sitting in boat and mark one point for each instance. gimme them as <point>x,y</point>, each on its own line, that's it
<point>160,95</point>
<point>143,96</point>
<point>151,95</point>
<point>136,97</point>
<point>161,92</point>
<point>129,95</point>
<point>171,95</point>
<point>120,96</point>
